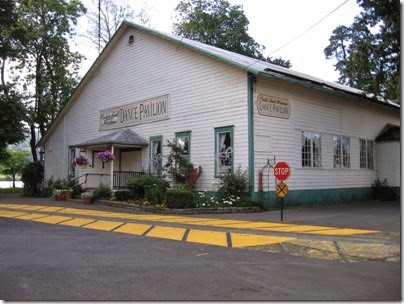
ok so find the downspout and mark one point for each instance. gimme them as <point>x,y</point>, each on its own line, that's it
<point>250,104</point>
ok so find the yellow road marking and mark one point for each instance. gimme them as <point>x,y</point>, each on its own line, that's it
<point>30,207</point>
<point>103,225</point>
<point>52,209</point>
<point>343,231</point>
<point>77,222</point>
<point>207,237</point>
<point>253,225</point>
<point>53,219</point>
<point>167,233</point>
<point>32,216</point>
<point>137,229</point>
<point>4,213</point>
<point>245,240</point>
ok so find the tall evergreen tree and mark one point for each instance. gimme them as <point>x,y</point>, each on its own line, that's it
<point>368,52</point>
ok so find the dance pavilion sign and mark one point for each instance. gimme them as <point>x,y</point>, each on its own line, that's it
<point>273,106</point>
<point>152,109</point>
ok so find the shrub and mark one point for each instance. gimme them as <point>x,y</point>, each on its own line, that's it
<point>234,184</point>
<point>155,195</point>
<point>382,191</point>
<point>102,192</point>
<point>123,195</point>
<point>179,199</point>
<point>32,176</point>
<point>177,166</point>
<point>138,185</point>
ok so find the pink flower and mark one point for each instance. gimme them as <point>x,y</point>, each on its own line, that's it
<point>106,156</point>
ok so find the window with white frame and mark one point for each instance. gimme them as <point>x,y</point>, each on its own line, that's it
<point>156,149</point>
<point>366,153</point>
<point>311,149</point>
<point>223,150</point>
<point>342,153</point>
<point>72,166</point>
<point>184,141</point>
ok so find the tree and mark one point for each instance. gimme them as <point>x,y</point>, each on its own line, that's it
<point>12,111</point>
<point>15,163</point>
<point>220,24</point>
<point>104,26</point>
<point>368,52</point>
<point>48,65</point>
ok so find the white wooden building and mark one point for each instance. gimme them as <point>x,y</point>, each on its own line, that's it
<point>228,110</point>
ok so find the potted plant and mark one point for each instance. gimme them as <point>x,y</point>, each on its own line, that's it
<point>87,197</point>
<point>68,193</point>
<point>106,156</point>
<point>58,195</point>
<point>80,160</point>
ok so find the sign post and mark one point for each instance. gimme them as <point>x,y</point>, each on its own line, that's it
<point>282,173</point>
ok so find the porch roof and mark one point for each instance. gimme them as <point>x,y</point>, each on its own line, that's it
<point>124,137</point>
<point>389,132</point>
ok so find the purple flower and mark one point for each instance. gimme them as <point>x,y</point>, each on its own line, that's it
<point>105,156</point>
<point>80,160</point>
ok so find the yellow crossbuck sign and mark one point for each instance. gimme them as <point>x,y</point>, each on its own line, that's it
<point>281,189</point>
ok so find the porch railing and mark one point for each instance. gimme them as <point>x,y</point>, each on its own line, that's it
<point>120,178</point>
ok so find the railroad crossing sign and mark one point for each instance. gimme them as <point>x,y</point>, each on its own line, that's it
<point>282,171</point>
<point>281,189</point>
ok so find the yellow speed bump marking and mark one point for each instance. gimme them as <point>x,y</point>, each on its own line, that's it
<point>207,237</point>
<point>53,219</point>
<point>52,209</point>
<point>4,213</point>
<point>103,225</point>
<point>77,222</point>
<point>245,240</point>
<point>32,216</point>
<point>137,229</point>
<point>342,231</point>
<point>170,233</point>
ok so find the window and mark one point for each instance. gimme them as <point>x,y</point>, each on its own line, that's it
<point>184,141</point>
<point>366,153</point>
<point>342,154</point>
<point>156,149</point>
<point>224,151</point>
<point>72,166</point>
<point>311,149</point>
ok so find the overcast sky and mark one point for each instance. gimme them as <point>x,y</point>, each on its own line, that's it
<point>273,23</point>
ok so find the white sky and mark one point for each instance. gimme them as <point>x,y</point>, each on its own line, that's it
<point>272,24</point>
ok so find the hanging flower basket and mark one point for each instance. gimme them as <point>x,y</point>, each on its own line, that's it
<point>80,160</point>
<point>106,156</point>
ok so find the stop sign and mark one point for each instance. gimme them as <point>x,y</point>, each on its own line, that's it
<point>281,171</point>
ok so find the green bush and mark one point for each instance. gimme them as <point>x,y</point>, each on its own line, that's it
<point>155,195</point>
<point>138,185</point>
<point>234,184</point>
<point>382,191</point>
<point>102,192</point>
<point>123,195</point>
<point>32,176</point>
<point>179,199</point>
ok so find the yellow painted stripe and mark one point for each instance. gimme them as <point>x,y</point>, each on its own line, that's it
<point>103,225</point>
<point>207,237</point>
<point>31,207</point>
<point>343,231</point>
<point>296,228</point>
<point>4,213</point>
<point>77,222</point>
<point>32,216</point>
<point>11,206</point>
<point>51,209</point>
<point>167,233</point>
<point>137,229</point>
<point>52,219</point>
<point>245,240</point>
<point>253,225</point>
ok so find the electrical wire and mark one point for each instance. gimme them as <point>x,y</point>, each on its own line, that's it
<point>315,24</point>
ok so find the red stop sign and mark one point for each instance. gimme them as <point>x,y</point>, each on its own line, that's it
<point>281,171</point>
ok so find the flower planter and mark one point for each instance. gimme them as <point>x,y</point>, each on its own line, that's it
<point>87,200</point>
<point>68,195</point>
<point>58,198</point>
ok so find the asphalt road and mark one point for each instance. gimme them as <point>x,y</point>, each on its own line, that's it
<point>54,262</point>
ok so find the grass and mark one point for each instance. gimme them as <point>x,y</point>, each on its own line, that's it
<point>11,190</point>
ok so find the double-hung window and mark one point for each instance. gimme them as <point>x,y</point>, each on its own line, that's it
<point>183,140</point>
<point>311,149</point>
<point>224,150</point>
<point>342,153</point>
<point>366,153</point>
<point>156,149</point>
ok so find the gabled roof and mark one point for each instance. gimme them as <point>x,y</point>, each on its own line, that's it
<point>389,132</point>
<point>122,137</point>
<point>251,65</point>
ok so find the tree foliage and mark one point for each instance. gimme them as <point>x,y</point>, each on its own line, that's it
<point>49,66</point>
<point>15,163</point>
<point>368,52</point>
<point>220,24</point>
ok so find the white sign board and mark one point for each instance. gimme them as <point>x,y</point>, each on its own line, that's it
<point>273,106</point>
<point>152,109</point>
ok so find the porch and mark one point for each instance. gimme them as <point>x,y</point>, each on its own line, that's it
<point>127,160</point>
